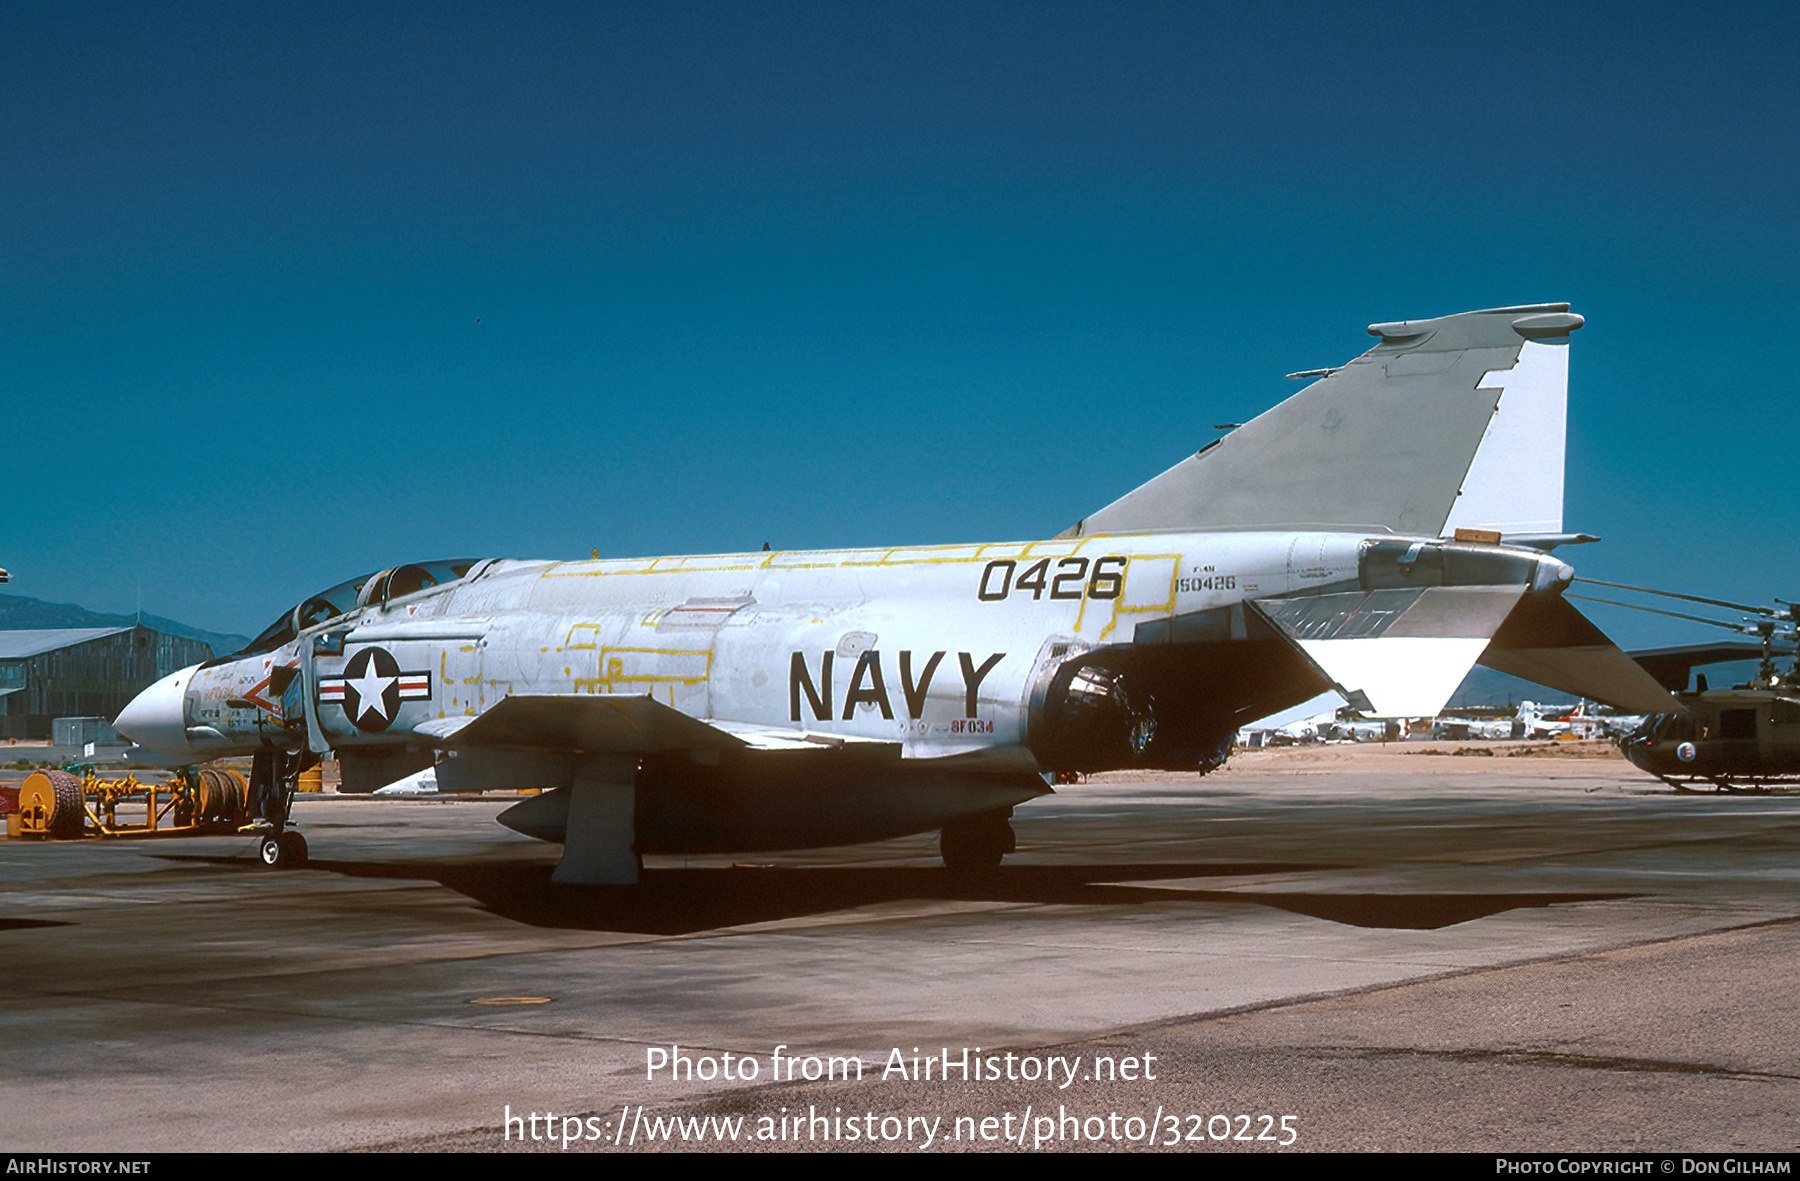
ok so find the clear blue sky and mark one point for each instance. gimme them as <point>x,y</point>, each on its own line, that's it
<point>288,293</point>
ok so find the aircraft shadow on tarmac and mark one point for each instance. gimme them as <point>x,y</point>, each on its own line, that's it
<point>685,901</point>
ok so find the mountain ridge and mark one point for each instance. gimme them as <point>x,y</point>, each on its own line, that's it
<point>21,612</point>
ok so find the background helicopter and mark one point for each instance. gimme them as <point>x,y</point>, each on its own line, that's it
<point>1743,737</point>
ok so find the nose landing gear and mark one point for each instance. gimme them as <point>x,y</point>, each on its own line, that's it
<point>282,850</point>
<point>274,778</point>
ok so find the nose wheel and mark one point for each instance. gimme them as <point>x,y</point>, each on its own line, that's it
<point>282,850</point>
<point>274,778</point>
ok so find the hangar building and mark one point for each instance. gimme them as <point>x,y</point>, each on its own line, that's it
<point>61,672</point>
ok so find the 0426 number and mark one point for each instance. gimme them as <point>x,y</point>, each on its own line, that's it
<point>1055,578</point>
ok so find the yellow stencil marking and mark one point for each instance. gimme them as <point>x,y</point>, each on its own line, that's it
<point>627,667</point>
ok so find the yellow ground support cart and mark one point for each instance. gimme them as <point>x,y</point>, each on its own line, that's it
<point>196,801</point>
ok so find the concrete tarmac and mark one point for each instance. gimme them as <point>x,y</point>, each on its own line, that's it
<point>1336,948</point>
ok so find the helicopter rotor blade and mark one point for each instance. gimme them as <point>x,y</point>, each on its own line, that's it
<point>1736,627</point>
<point>1645,590</point>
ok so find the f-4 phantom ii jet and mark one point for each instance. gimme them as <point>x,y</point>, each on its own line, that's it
<point>1377,533</point>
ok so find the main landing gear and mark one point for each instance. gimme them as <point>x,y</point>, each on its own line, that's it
<point>976,844</point>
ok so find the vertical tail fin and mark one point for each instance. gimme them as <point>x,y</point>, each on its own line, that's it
<point>1449,423</point>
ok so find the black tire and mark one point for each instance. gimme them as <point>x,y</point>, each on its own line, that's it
<point>70,817</point>
<point>54,799</point>
<point>293,850</point>
<point>977,844</point>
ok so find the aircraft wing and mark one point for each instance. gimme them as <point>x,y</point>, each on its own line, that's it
<point>584,722</point>
<point>758,737</point>
<point>620,724</point>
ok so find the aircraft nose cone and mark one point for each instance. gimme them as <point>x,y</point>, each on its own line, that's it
<point>156,718</point>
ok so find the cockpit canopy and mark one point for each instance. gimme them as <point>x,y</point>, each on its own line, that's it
<point>378,587</point>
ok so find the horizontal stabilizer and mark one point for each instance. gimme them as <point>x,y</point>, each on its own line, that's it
<point>1547,641</point>
<point>1393,653</point>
